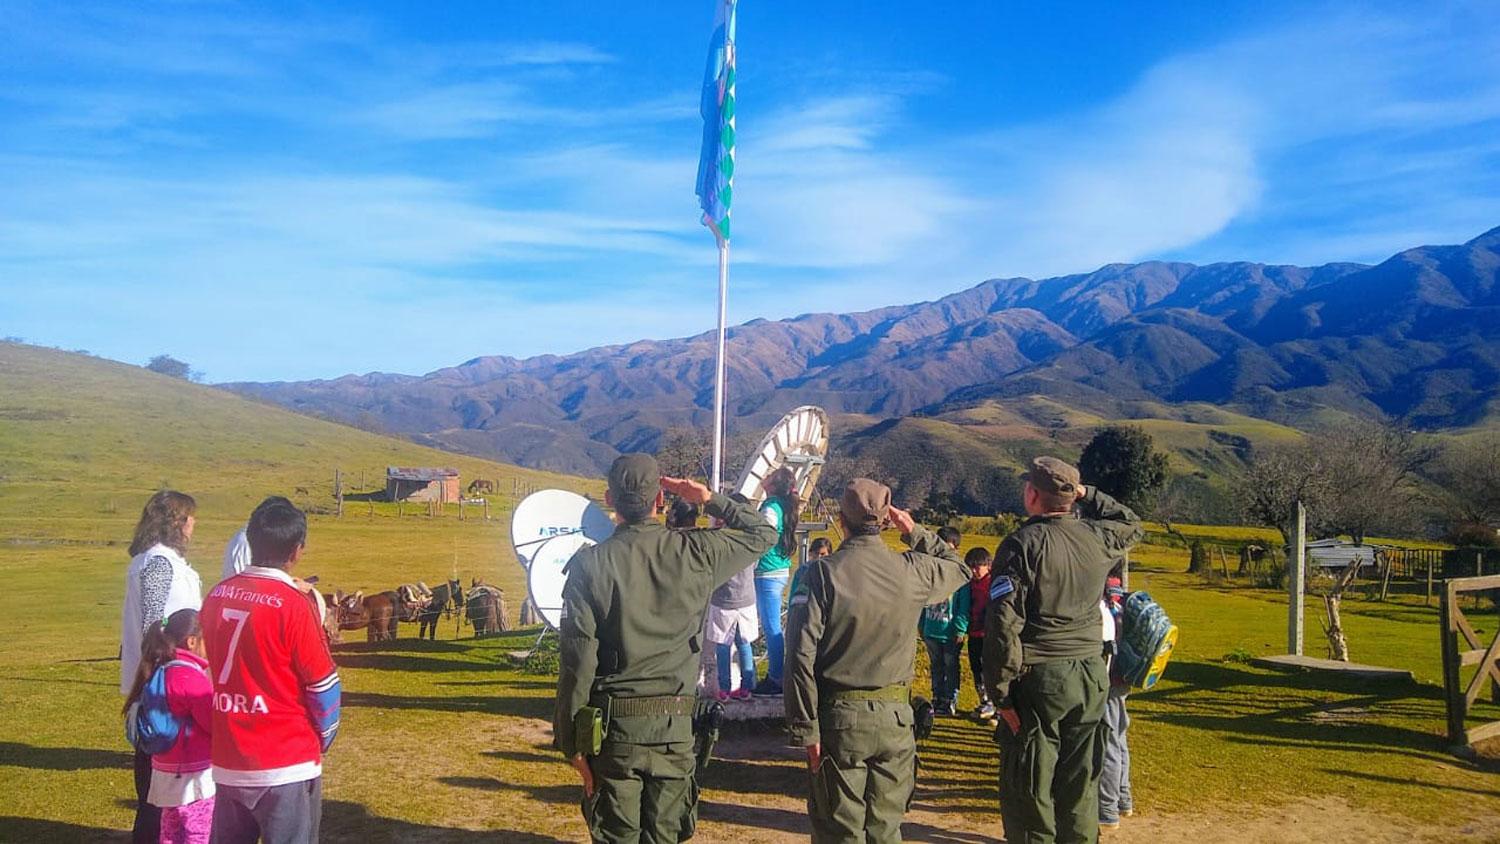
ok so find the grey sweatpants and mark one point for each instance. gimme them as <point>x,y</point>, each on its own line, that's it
<point>278,814</point>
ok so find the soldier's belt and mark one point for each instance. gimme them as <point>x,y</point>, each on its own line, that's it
<point>630,707</point>
<point>898,693</point>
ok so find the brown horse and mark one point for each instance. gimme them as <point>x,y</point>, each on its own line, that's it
<point>376,613</point>
<point>484,605</point>
<point>382,610</point>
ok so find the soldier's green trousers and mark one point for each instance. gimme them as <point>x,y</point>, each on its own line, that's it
<point>1049,773</point>
<point>861,790</point>
<point>642,793</point>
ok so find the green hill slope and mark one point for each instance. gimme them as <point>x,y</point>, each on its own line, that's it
<point>80,436</point>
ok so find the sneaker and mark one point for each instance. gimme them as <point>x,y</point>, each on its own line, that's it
<point>741,693</point>
<point>985,712</point>
<point>721,696</point>
<point>942,709</point>
<point>1108,825</point>
<point>767,688</point>
<point>1127,812</point>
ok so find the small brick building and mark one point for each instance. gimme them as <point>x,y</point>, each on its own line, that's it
<point>408,484</point>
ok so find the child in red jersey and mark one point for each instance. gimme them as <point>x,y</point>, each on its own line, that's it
<point>276,691</point>
<point>182,785</point>
<point>978,560</point>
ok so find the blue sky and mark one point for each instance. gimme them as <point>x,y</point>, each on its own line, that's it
<point>280,191</point>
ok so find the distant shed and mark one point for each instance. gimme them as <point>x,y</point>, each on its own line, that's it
<point>1339,553</point>
<point>408,484</point>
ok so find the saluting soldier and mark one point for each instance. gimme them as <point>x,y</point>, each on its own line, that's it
<point>1043,661</point>
<point>632,616</point>
<point>849,665</point>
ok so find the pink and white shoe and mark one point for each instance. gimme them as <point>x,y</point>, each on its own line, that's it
<point>741,693</point>
<point>722,696</point>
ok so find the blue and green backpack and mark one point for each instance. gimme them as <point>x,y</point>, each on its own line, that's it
<point>150,726</point>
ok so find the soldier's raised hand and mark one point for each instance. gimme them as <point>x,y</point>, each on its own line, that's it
<point>902,520</point>
<point>687,489</point>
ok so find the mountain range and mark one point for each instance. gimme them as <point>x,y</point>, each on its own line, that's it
<point>1212,359</point>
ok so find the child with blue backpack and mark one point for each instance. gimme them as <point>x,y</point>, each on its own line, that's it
<point>168,715</point>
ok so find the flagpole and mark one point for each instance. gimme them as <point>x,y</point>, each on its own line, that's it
<point>718,465</point>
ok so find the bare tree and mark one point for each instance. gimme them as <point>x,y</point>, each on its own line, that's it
<point>1277,479</point>
<point>1356,478</point>
<point>685,453</point>
<point>1375,469</point>
<point>1468,471</point>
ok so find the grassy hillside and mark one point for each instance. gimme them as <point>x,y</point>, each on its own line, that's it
<point>84,442</point>
<point>79,434</point>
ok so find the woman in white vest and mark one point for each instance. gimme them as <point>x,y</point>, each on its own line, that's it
<point>158,583</point>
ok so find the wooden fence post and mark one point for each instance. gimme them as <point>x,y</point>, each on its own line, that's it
<point>1452,694</point>
<point>1427,601</point>
<point>1296,589</point>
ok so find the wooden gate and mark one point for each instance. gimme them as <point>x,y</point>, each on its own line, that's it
<point>1462,647</point>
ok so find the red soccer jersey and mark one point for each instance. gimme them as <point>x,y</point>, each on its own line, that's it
<point>276,687</point>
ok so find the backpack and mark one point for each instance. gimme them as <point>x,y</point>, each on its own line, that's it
<point>150,726</point>
<point>939,613</point>
<point>1146,643</point>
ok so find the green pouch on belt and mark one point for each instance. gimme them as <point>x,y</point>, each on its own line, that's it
<point>588,730</point>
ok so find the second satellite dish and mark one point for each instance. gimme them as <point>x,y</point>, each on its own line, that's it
<point>550,513</point>
<point>545,577</point>
<point>799,442</point>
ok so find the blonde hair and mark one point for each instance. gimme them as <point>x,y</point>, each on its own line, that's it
<point>164,521</point>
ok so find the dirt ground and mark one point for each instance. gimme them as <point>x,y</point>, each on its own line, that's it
<point>759,813</point>
<point>1323,821</point>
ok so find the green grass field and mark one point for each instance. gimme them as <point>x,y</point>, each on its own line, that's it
<point>448,741</point>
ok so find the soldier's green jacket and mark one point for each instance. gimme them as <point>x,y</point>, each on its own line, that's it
<point>1054,568</point>
<point>632,615</point>
<point>850,622</point>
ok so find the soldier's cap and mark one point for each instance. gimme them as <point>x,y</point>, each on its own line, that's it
<point>1051,475</point>
<point>634,481</point>
<point>866,503</point>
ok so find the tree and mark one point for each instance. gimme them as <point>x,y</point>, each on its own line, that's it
<point>1354,478</point>
<point>1374,469</point>
<point>685,453</point>
<point>170,366</point>
<point>1276,480</point>
<point>1123,461</point>
<point>1468,473</point>
<point>938,509</point>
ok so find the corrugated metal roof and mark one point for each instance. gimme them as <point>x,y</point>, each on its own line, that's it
<point>406,473</point>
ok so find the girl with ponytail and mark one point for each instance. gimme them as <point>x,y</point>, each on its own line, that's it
<point>182,784</point>
<point>781,509</point>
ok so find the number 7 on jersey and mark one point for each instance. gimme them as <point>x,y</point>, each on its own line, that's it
<point>239,617</point>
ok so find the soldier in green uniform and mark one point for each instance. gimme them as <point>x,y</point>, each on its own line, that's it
<point>849,652</point>
<point>632,619</point>
<point>1043,661</point>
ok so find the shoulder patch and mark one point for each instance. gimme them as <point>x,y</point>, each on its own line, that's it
<point>1000,587</point>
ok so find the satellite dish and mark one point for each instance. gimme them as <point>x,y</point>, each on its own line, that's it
<point>545,577</point>
<point>799,442</point>
<point>555,512</point>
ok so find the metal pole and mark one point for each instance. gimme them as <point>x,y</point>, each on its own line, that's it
<point>718,464</point>
<point>1296,587</point>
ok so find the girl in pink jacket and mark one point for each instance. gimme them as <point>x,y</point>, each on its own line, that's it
<point>181,781</point>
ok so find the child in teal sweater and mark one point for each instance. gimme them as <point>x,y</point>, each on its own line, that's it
<point>944,626</point>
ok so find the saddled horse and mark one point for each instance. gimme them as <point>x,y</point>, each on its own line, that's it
<point>376,613</point>
<point>411,600</point>
<point>484,605</point>
<point>446,600</point>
